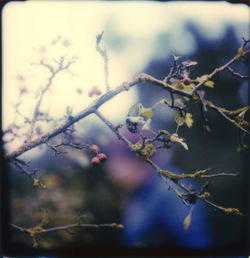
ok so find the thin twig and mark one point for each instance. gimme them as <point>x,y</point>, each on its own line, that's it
<point>223,67</point>
<point>220,174</point>
<point>238,74</point>
<point>70,226</point>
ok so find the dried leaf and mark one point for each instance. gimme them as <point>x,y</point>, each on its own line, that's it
<point>147,112</point>
<point>176,58</point>
<point>165,132</point>
<point>147,125</point>
<point>132,110</point>
<point>175,138</point>
<point>209,84</point>
<point>206,127</point>
<point>189,63</point>
<point>165,101</point>
<point>204,77</point>
<point>189,121</point>
<point>179,118</point>
<point>136,119</point>
<point>187,222</point>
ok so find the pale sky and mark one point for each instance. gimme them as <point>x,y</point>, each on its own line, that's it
<point>33,25</point>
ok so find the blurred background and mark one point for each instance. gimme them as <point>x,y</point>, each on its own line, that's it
<point>139,37</point>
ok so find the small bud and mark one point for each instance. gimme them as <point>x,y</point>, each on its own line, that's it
<point>186,80</point>
<point>95,161</point>
<point>102,157</point>
<point>94,149</point>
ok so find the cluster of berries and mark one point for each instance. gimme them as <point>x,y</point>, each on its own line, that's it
<point>94,91</point>
<point>100,157</point>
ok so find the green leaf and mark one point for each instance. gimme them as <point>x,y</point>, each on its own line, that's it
<point>175,138</point>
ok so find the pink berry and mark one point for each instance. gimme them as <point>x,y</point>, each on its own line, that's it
<point>96,90</point>
<point>90,93</point>
<point>186,80</point>
<point>77,142</point>
<point>95,161</point>
<point>94,149</point>
<point>102,157</point>
<point>79,90</point>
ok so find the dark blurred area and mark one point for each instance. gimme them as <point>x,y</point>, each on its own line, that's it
<point>99,196</point>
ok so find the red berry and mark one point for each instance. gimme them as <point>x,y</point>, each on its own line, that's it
<point>95,161</point>
<point>102,157</point>
<point>186,80</point>
<point>94,148</point>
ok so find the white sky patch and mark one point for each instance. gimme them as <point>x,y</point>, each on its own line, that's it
<point>34,25</point>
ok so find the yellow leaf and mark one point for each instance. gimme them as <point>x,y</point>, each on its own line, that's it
<point>187,222</point>
<point>36,182</point>
<point>209,84</point>
<point>165,101</point>
<point>177,101</point>
<point>175,138</point>
<point>147,125</point>
<point>189,88</point>
<point>189,121</point>
<point>176,58</point>
<point>180,120</point>
<point>165,132</point>
<point>202,78</point>
<point>114,224</point>
<point>178,84</point>
<point>206,127</point>
<point>147,112</point>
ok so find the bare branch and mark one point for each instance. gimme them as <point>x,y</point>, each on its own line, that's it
<point>103,53</point>
<point>237,74</point>
<point>240,54</point>
<point>70,226</point>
